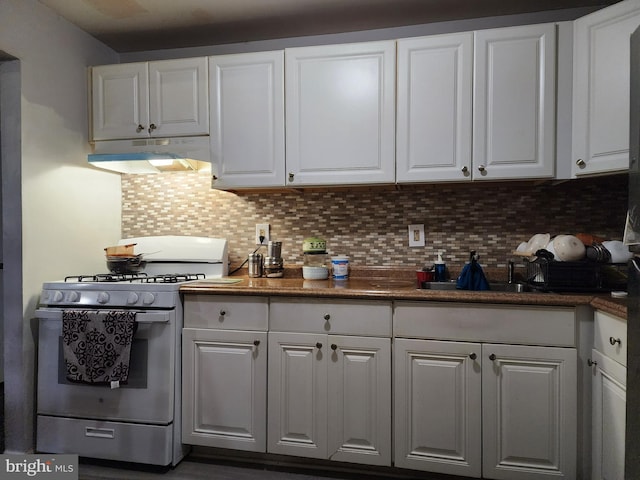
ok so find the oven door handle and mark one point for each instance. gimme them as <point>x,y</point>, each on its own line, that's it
<point>141,317</point>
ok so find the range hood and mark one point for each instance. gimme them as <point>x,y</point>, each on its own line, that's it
<point>152,155</point>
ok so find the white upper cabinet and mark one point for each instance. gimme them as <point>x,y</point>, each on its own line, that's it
<point>247,119</point>
<point>435,77</point>
<point>340,114</point>
<point>514,102</point>
<point>150,99</point>
<point>601,89</point>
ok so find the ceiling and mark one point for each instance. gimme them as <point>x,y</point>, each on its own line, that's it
<point>137,25</point>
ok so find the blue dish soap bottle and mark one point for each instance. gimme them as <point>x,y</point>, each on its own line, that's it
<point>440,269</point>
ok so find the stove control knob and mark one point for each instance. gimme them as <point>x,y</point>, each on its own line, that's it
<point>74,296</point>
<point>148,298</point>
<point>132,298</point>
<point>103,297</point>
<point>57,296</point>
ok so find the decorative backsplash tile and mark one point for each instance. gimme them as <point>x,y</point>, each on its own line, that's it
<point>371,225</point>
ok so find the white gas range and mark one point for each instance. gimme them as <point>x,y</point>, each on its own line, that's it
<point>140,420</point>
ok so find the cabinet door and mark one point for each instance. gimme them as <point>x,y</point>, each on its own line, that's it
<point>224,391</point>
<point>359,405</point>
<point>340,114</point>
<point>609,414</point>
<point>514,102</point>
<point>247,119</point>
<point>601,72</point>
<point>179,97</point>
<point>297,416</point>
<point>434,108</point>
<point>437,406</point>
<point>529,404</point>
<point>120,101</point>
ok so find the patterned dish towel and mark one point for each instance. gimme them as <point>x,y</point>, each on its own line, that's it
<point>97,345</point>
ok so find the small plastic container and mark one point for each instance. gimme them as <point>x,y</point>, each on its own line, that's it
<point>340,267</point>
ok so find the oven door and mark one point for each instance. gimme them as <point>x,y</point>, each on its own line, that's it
<point>147,396</point>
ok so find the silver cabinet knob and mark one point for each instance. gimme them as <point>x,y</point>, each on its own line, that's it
<point>139,128</point>
<point>152,127</point>
<point>256,342</point>
<point>613,341</point>
<point>327,316</point>
<point>473,356</point>
<point>465,169</point>
<point>482,168</point>
<point>492,357</point>
<point>591,363</point>
<point>318,345</point>
<point>334,347</point>
<point>223,313</point>
<point>581,163</point>
<point>291,177</point>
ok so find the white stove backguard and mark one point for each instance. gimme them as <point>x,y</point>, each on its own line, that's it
<point>177,254</point>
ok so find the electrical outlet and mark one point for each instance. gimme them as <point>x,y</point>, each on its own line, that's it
<point>416,235</point>
<point>262,230</point>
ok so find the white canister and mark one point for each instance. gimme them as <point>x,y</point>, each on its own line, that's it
<point>340,267</point>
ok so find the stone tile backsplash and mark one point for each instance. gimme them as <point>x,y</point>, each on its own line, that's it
<point>371,224</point>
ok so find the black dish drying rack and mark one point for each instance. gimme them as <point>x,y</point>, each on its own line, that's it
<point>582,276</point>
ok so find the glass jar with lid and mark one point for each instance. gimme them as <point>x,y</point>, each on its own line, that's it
<point>315,266</point>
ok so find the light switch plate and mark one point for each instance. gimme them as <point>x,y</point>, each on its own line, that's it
<point>416,235</point>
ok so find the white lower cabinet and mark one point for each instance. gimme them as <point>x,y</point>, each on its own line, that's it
<point>480,409</point>
<point>330,394</point>
<point>608,361</point>
<point>438,415</point>
<point>224,376</point>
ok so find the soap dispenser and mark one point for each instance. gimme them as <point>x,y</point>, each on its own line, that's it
<point>440,269</point>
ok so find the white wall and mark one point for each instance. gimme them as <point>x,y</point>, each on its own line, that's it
<point>68,210</point>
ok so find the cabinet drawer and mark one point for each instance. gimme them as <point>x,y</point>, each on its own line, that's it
<point>228,312</point>
<point>527,325</point>
<point>610,336</point>
<point>105,440</point>
<point>345,317</point>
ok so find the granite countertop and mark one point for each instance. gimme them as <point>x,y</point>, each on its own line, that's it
<point>394,284</point>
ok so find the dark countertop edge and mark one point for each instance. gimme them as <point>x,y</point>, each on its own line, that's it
<point>601,302</point>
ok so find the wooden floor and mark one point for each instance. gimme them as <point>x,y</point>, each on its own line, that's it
<point>190,470</point>
<point>207,469</point>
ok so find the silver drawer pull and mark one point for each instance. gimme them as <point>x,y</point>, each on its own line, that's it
<point>613,341</point>
<point>591,363</point>
<point>99,432</point>
<point>327,316</point>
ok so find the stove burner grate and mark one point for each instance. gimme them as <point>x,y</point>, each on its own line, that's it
<point>139,277</point>
<point>174,278</point>
<point>107,277</point>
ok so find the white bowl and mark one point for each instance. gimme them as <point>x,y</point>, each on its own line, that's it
<point>550,248</point>
<point>538,241</point>
<point>315,273</point>
<point>619,251</point>
<point>568,248</point>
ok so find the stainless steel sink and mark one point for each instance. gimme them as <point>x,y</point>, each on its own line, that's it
<point>493,286</point>
<point>510,287</point>
<point>389,283</point>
